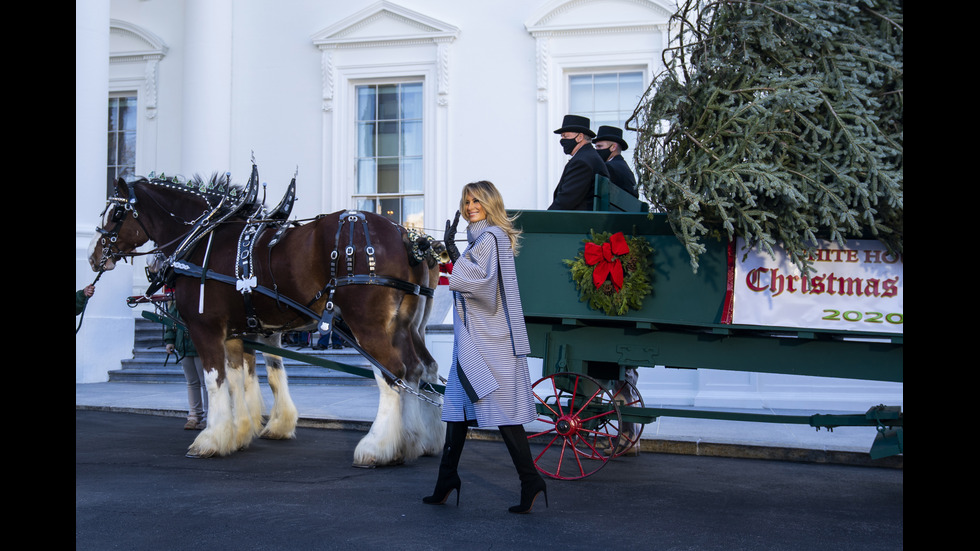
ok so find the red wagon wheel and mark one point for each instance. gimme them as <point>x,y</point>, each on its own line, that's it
<point>582,421</point>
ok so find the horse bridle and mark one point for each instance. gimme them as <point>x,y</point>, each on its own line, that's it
<point>120,207</point>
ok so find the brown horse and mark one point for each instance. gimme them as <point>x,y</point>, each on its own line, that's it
<point>298,275</point>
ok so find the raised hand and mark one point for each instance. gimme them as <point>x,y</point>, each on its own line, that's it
<point>450,238</point>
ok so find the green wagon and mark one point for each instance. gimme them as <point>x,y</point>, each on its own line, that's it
<point>681,323</point>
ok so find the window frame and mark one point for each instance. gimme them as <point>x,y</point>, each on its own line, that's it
<point>571,73</point>
<point>357,196</point>
<point>115,95</point>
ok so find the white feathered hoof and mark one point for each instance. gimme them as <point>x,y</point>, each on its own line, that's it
<point>368,455</point>
<point>219,437</point>
<point>384,444</point>
<point>280,429</point>
<point>372,462</point>
<point>212,442</point>
<point>284,416</point>
<point>196,453</point>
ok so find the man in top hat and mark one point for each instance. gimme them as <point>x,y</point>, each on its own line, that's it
<point>575,188</point>
<point>609,144</point>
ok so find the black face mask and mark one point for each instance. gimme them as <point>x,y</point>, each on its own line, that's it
<point>604,153</point>
<point>568,144</point>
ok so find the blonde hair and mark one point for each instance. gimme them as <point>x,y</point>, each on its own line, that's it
<point>493,205</point>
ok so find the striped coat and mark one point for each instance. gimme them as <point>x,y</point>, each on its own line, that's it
<point>489,379</point>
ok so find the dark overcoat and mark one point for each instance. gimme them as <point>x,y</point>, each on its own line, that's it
<point>577,184</point>
<point>621,175</point>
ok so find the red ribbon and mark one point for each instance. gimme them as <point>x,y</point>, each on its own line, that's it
<point>603,257</point>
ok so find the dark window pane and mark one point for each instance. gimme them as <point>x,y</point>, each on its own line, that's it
<point>388,176</point>
<point>127,148</point>
<point>388,139</point>
<point>113,114</point>
<point>391,209</point>
<point>111,153</point>
<point>388,102</point>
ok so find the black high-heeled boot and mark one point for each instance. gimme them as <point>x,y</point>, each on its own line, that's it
<point>520,452</point>
<point>448,477</point>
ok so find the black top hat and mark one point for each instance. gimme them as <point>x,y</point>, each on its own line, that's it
<point>612,134</point>
<point>576,123</point>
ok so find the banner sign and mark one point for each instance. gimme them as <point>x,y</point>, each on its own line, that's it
<point>857,287</point>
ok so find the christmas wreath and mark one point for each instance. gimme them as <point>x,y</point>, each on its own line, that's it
<point>613,272</point>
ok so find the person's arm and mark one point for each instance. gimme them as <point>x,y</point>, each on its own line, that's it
<point>80,300</point>
<point>475,272</point>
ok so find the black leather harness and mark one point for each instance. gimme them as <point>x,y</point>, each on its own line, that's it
<point>258,221</point>
<point>326,322</point>
<point>352,217</point>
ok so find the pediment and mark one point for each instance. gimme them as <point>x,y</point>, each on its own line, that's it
<point>127,39</point>
<point>384,22</point>
<point>589,15</point>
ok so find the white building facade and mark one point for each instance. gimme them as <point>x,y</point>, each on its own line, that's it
<point>385,105</point>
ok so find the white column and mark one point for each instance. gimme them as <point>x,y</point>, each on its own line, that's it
<point>106,332</point>
<point>206,118</point>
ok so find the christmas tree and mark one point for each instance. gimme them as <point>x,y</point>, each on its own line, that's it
<point>777,121</point>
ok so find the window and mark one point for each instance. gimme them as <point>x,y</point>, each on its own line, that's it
<point>607,99</point>
<point>121,161</point>
<point>389,151</point>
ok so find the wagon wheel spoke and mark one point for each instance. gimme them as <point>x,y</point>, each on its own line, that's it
<point>578,416</point>
<point>546,405</point>
<point>602,437</point>
<point>627,395</point>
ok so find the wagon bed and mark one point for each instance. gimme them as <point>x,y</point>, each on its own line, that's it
<point>682,323</point>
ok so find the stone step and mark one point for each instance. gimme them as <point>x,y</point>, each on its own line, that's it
<point>150,363</point>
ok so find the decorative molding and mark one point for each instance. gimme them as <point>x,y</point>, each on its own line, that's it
<point>326,68</point>
<point>141,41</point>
<point>547,14</point>
<point>404,28</point>
<point>139,45</point>
<point>442,70</point>
<point>541,58</point>
<point>596,30</point>
<point>417,29</point>
<point>150,86</point>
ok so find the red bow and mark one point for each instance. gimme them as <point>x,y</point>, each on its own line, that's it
<point>603,258</point>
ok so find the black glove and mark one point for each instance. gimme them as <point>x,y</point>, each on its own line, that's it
<point>450,238</point>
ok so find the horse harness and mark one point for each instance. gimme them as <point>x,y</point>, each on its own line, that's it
<point>229,204</point>
<point>353,217</point>
<point>255,225</point>
<point>245,282</point>
<point>257,221</point>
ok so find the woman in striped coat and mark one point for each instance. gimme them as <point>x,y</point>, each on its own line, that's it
<point>489,384</point>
